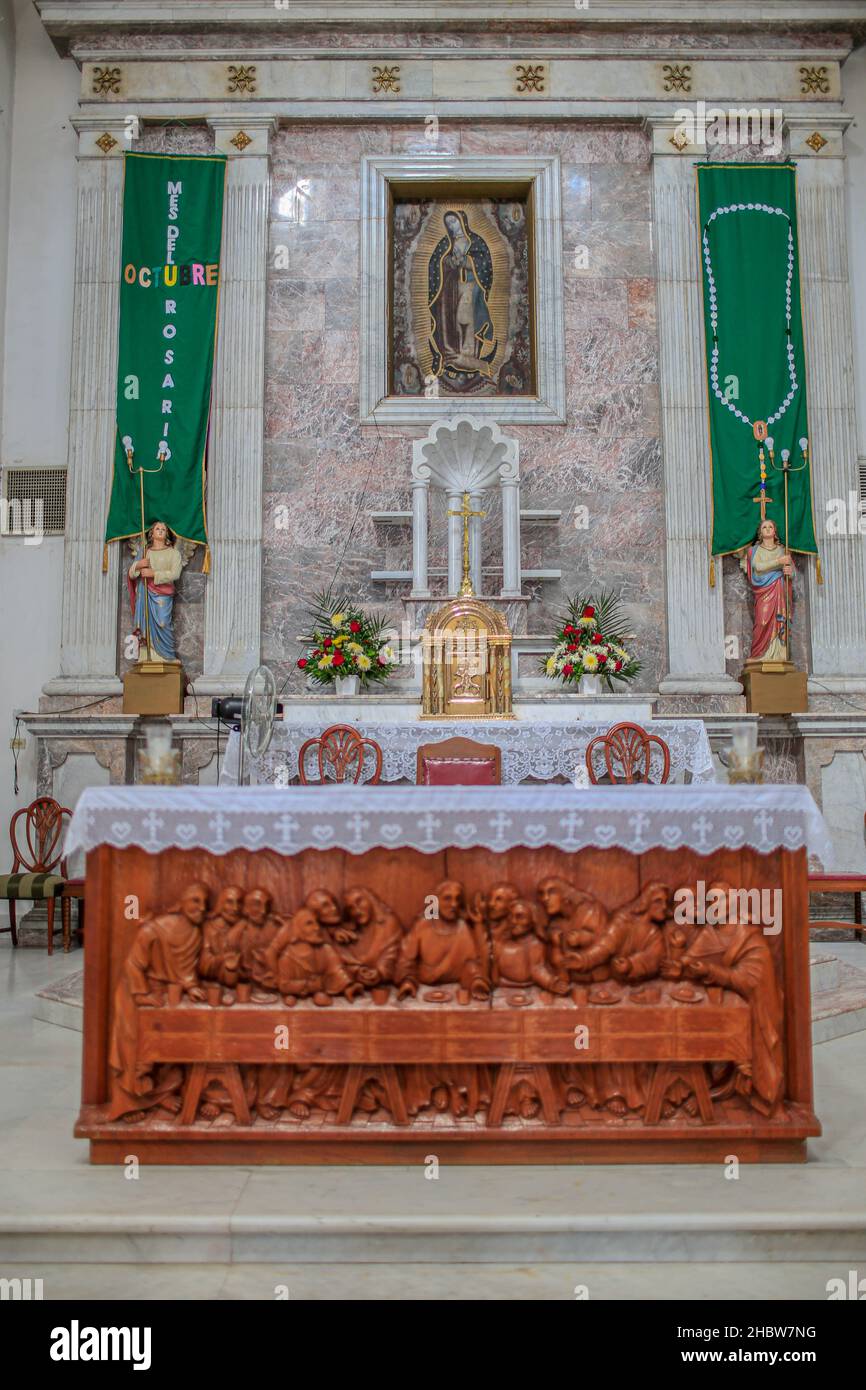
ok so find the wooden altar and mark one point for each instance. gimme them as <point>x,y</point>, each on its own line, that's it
<point>253,999</point>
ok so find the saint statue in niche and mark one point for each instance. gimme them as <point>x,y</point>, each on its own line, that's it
<point>150,581</point>
<point>463,340</point>
<point>769,568</point>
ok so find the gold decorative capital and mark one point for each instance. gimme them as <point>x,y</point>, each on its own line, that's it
<point>241,140</point>
<point>815,80</point>
<point>386,79</point>
<point>530,77</point>
<point>677,77</point>
<point>106,142</point>
<point>242,79</point>
<point>106,80</point>
<point>816,141</point>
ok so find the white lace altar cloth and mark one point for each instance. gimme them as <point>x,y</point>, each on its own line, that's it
<point>288,819</point>
<point>539,751</point>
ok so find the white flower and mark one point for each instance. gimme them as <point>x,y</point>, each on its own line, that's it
<point>386,655</point>
<point>364,663</point>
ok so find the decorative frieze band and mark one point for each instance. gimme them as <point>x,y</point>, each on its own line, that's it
<point>457,77</point>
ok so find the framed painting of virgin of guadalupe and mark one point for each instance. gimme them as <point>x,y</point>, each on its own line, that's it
<point>462,297</point>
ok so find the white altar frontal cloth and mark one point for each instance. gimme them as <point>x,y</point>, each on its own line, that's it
<point>538,751</point>
<point>289,819</point>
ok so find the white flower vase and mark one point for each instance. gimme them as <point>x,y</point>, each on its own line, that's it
<point>346,685</point>
<point>590,685</point>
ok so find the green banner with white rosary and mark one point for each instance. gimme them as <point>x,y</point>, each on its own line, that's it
<point>756,374</point>
<point>169,289</point>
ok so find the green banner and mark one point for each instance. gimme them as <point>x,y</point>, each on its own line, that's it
<point>756,372</point>
<point>169,289</point>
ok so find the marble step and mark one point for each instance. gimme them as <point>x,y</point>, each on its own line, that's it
<point>838,997</point>
<point>475,1283</point>
<point>511,1215</point>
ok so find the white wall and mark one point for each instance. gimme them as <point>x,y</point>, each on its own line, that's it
<point>37,221</point>
<point>854,102</point>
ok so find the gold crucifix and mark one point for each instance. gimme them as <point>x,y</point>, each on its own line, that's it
<point>466,589</point>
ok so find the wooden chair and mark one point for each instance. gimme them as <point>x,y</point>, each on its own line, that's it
<point>458,762</point>
<point>340,752</point>
<point>36,832</point>
<point>840,883</point>
<point>627,754</point>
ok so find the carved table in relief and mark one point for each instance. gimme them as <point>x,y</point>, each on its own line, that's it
<point>536,991</point>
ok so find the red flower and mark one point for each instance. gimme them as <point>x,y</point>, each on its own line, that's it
<point>302,661</point>
<point>617,665</point>
<point>597,638</point>
<point>338,659</point>
<point>567,669</point>
<point>588,612</point>
<point>568,628</point>
<point>327,642</point>
<point>572,647</point>
<point>602,659</point>
<point>354,625</point>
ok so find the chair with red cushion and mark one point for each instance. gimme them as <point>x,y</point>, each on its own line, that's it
<point>459,762</point>
<point>341,754</point>
<point>36,832</point>
<point>627,754</point>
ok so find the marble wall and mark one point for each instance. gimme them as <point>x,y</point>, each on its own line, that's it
<point>324,472</point>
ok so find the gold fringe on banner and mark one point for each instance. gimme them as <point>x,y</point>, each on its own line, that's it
<point>205,568</point>
<point>712,573</point>
<point>105,559</point>
<point>818,575</point>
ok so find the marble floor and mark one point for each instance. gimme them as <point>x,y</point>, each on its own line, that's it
<point>776,1233</point>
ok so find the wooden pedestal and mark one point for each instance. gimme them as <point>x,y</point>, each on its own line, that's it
<point>775,692</point>
<point>154,687</point>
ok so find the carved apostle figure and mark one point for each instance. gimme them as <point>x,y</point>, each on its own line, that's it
<point>219,960</point>
<point>575,921</point>
<point>165,951</point>
<point>254,933</point>
<point>632,945</point>
<point>520,958</point>
<point>369,937</point>
<point>443,950</point>
<point>744,964</point>
<point>302,961</point>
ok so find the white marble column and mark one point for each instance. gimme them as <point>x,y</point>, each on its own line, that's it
<point>420,498</point>
<point>695,614</point>
<point>510,492</point>
<point>476,504</point>
<point>233,598</point>
<point>455,543</point>
<point>837,608</point>
<point>88,648</point>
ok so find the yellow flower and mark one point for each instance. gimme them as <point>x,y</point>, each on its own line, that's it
<point>338,641</point>
<point>364,663</point>
<point>353,647</point>
<point>590,661</point>
<point>551,666</point>
<point>325,662</point>
<point>338,620</point>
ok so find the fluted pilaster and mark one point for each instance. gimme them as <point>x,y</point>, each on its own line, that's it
<point>837,608</point>
<point>88,650</point>
<point>695,615</point>
<point>233,599</point>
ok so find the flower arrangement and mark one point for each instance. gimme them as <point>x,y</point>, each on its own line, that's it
<point>343,641</point>
<point>590,642</point>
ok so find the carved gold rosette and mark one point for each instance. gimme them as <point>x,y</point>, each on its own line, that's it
<point>466,648</point>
